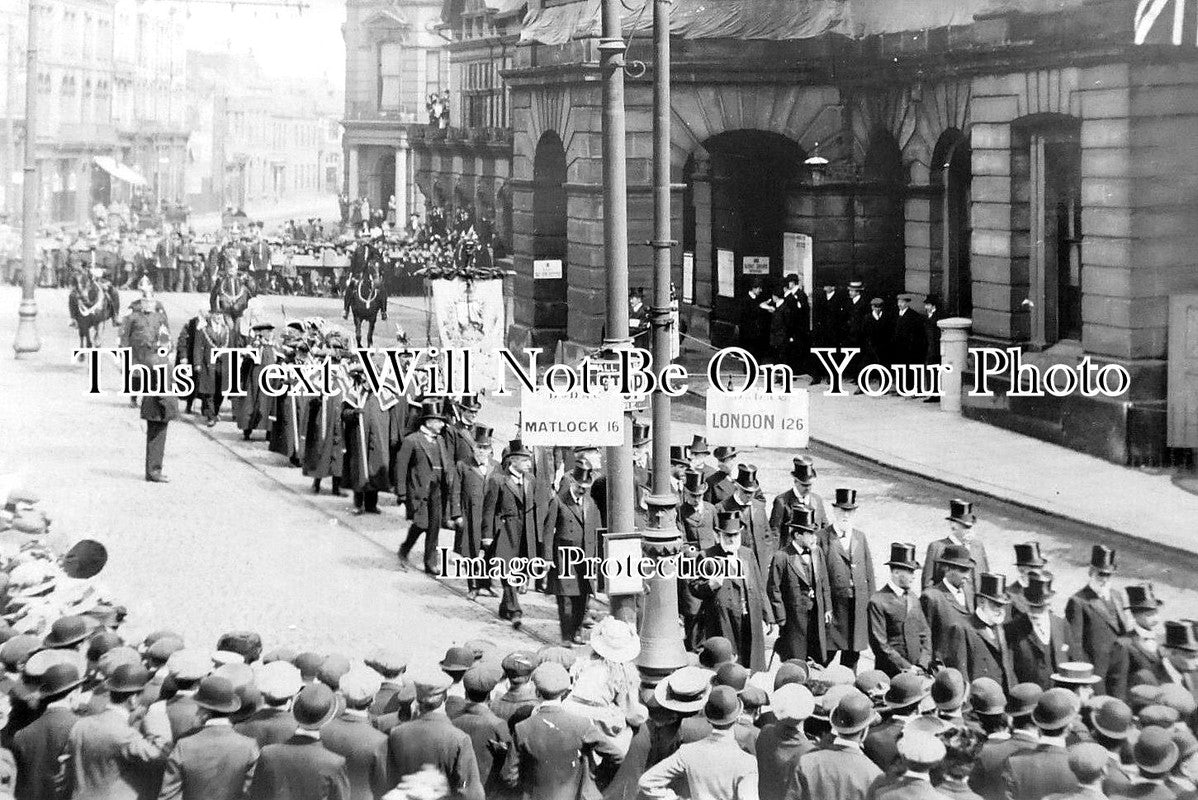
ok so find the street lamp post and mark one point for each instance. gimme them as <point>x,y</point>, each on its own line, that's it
<point>27,340</point>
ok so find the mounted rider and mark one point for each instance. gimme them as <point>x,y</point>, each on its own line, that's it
<point>231,293</point>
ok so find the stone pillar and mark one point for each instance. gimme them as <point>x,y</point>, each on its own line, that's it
<point>954,351</point>
<point>401,185</point>
<point>351,187</point>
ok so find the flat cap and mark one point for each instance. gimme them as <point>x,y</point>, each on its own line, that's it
<point>431,685</point>
<point>1159,715</point>
<point>359,685</point>
<point>480,679</point>
<point>733,675</point>
<point>920,749</point>
<point>280,680</point>
<point>792,703</point>
<point>189,664</point>
<point>116,657</point>
<point>17,650</point>
<point>1023,698</point>
<point>557,654</point>
<point>1088,761</point>
<point>281,653</point>
<point>1143,694</point>
<point>162,649</point>
<point>1178,698</point>
<point>331,670</point>
<point>518,664</point>
<point>791,672</point>
<point>551,679</point>
<point>873,683</point>
<point>387,662</point>
<point>246,643</point>
<point>308,663</point>
<point>753,697</point>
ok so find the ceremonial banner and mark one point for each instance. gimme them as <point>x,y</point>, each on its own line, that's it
<point>469,315</point>
<point>757,419</point>
<point>571,420</point>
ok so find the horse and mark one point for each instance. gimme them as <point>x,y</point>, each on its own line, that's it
<point>366,298</point>
<point>91,305</point>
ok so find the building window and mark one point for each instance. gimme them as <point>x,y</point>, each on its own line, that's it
<point>432,74</point>
<point>389,69</point>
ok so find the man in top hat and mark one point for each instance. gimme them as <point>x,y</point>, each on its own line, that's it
<point>876,335</point>
<point>855,313</point>
<point>698,454</point>
<point>841,770</point>
<point>473,473</point>
<point>302,768</point>
<point>799,592</point>
<point>1095,611</point>
<point>1027,558</point>
<point>696,521</point>
<point>1040,641</point>
<point>37,746</point>
<point>978,647</point>
<point>642,439</point>
<point>851,574</point>
<point>733,607</point>
<point>961,521</point>
<point>431,738</point>
<point>798,496</point>
<point>933,313</point>
<point>1137,651</point>
<point>518,512</point>
<point>909,338</point>
<point>950,601</point>
<point>575,535</point>
<point>216,762</point>
<point>426,483</point>
<point>899,634</point>
<point>712,767</point>
<point>747,499</point>
<point>720,482</point>
<point>1044,770</point>
<point>1181,662</point>
<point>460,430</point>
<point>372,436</point>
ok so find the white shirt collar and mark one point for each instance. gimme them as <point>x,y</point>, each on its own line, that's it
<point>839,742</point>
<point>921,776</point>
<point>897,590</point>
<point>307,733</point>
<point>215,721</point>
<point>1059,741</point>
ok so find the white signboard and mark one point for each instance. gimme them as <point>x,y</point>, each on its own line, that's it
<point>623,552</point>
<point>606,374</point>
<point>573,420</point>
<point>688,277</point>
<point>797,259</point>
<point>547,268</point>
<point>756,265</point>
<point>675,331</point>
<point>725,268</point>
<point>757,419</point>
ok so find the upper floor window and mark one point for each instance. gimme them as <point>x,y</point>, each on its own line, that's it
<point>389,70</point>
<point>432,71</point>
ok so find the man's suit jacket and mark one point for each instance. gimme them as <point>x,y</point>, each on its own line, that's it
<point>782,505</point>
<point>933,572</point>
<point>980,653</point>
<point>899,634</point>
<point>364,750</point>
<point>300,768</point>
<point>555,748</point>
<point>1034,774</point>
<point>492,742</point>
<point>1129,657</point>
<point>575,525</point>
<point>432,739</point>
<point>943,613</point>
<point>851,573</point>
<point>109,759</point>
<point>697,524</point>
<point>910,338</point>
<point>761,540</point>
<point>1096,624</point>
<point>799,600</point>
<point>903,787</point>
<point>881,743</point>
<point>1035,661</point>
<point>213,763</point>
<point>268,726</point>
<point>986,778</point>
<point>419,483</point>
<point>719,487</point>
<point>779,747</point>
<point>472,489</point>
<point>518,520</point>
<point>837,771</point>
<point>36,748</point>
<point>720,610</point>
<point>715,766</point>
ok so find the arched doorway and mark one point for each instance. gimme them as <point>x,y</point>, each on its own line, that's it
<point>384,174</point>
<point>952,173</point>
<point>549,243</point>
<point>880,257</point>
<point>734,217</point>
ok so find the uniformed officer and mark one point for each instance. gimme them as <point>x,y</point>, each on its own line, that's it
<point>143,332</point>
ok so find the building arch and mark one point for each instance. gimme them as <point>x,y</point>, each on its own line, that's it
<point>879,252</point>
<point>549,240</point>
<point>951,176</point>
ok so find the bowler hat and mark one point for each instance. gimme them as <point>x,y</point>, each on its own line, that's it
<point>803,470</point>
<point>723,706</point>
<point>846,499</point>
<point>387,662</point>
<point>1023,698</point>
<point>678,456</point>
<point>1155,752</point>
<point>728,522</point>
<point>693,484</point>
<point>902,555</point>
<point>732,674</point>
<point>1078,673</point>
<point>314,707</point>
<point>791,672</point>
<point>1028,555</point>
<point>993,586</point>
<point>949,689</point>
<point>1055,709</point>
<point>85,559</point>
<point>127,679</point>
<point>458,659</point>
<point>1102,559</point>
<point>800,519</point>
<point>217,694</point>
<point>1113,719</point>
<point>482,435</point>
<point>906,689</point>
<point>956,555</point>
<point>431,409</point>
<point>854,713</point>
<point>725,453</point>
<point>933,299</point>
<point>246,643</point>
<point>58,680</point>
<point>1180,636</point>
<point>753,698</point>
<point>1039,588</point>
<point>1142,598</point>
<point>746,477</point>
<point>699,446</point>
<point>516,448</point>
<point>961,511</point>
<point>67,632</point>
<point>986,697</point>
<point>716,650</point>
<point>685,690</point>
<point>640,434</point>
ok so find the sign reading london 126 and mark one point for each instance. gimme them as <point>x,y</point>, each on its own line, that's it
<point>571,420</point>
<point>757,419</point>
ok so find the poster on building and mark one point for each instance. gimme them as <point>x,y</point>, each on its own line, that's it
<point>759,419</point>
<point>547,268</point>
<point>688,277</point>
<point>675,331</point>
<point>797,259</point>
<point>571,420</point>
<point>725,262</point>
<point>469,314</point>
<point>755,265</point>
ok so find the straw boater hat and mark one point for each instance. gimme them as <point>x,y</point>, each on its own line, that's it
<point>615,640</point>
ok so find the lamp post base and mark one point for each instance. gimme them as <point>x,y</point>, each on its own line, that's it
<point>27,340</point>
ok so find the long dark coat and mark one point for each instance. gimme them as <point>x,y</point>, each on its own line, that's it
<point>253,411</point>
<point>1035,661</point>
<point>875,341</point>
<point>1096,624</point>
<point>781,508</point>
<point>943,613</point>
<point>851,575</point>
<point>1129,657</point>
<point>575,525</point>
<point>720,609</point>
<point>472,489</point>
<point>210,376</point>
<point>697,524</point>
<point>794,594</point>
<point>757,535</point>
<point>828,319</point>
<point>933,571</point>
<point>518,521</point>
<point>430,495</point>
<point>910,338</point>
<point>324,438</point>
<point>461,442</point>
<point>162,408</point>
<point>289,424</point>
<point>898,632</point>
<point>977,656</point>
<point>368,467</point>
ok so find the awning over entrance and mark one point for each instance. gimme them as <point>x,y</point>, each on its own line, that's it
<point>119,171</point>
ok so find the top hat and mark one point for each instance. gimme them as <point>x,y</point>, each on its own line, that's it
<point>956,555</point>
<point>902,555</point>
<point>470,403</point>
<point>1039,588</point>
<point>314,707</point>
<point>431,409</point>
<point>846,499</point>
<point>933,299</point>
<point>1142,598</point>
<point>961,511</point>
<point>640,434</point>
<point>482,435</point>
<point>746,477</point>
<point>678,456</point>
<point>1180,636</point>
<point>1028,555</point>
<point>906,689</point>
<point>516,448</point>
<point>725,453</point>
<point>728,522</point>
<point>1102,559</point>
<point>993,586</point>
<point>217,694</point>
<point>803,470</point>
<point>723,706</point>
<point>582,475</point>
<point>854,713</point>
<point>699,446</point>
<point>66,632</point>
<point>801,518</point>
<point>693,484</point>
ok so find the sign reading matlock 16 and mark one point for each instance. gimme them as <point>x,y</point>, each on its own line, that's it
<point>571,420</point>
<point>758,419</point>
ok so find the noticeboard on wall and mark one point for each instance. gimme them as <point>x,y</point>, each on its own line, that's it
<point>725,273</point>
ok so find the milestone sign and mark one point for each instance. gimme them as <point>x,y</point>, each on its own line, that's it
<point>757,419</point>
